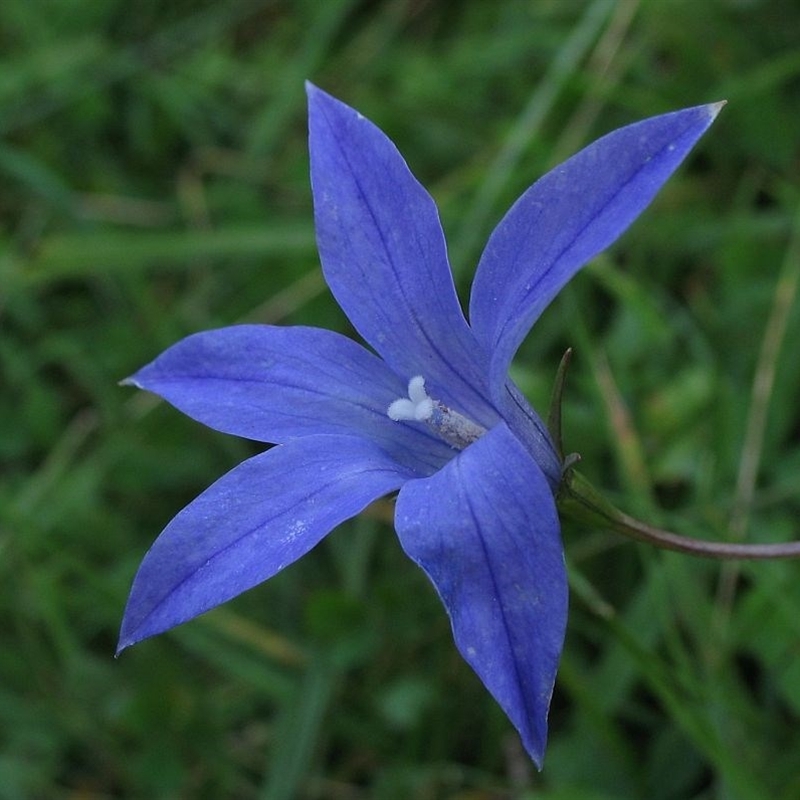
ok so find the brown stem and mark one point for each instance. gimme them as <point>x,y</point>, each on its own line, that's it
<point>579,500</point>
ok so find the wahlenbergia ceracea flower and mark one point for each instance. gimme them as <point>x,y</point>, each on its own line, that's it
<point>430,413</point>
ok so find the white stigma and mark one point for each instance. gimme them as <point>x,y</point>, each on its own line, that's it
<point>417,406</point>
<point>449,425</point>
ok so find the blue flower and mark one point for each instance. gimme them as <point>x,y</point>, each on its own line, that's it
<point>430,413</point>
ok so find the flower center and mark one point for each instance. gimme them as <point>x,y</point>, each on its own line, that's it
<point>449,425</point>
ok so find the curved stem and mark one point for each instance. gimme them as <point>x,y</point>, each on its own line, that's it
<point>579,500</point>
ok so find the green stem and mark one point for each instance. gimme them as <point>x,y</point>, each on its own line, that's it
<point>578,500</point>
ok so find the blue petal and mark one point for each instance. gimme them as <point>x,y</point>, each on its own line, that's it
<point>273,384</point>
<point>568,217</point>
<point>529,428</point>
<point>250,524</point>
<point>383,255</point>
<point>486,532</point>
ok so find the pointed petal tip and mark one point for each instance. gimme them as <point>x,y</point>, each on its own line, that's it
<point>320,98</point>
<point>125,641</point>
<point>715,108</point>
<point>129,635</point>
<point>536,755</point>
<point>321,103</point>
<point>315,97</point>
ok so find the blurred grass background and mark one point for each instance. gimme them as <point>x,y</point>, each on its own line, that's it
<point>153,182</point>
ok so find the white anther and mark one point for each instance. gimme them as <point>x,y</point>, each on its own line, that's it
<point>417,406</point>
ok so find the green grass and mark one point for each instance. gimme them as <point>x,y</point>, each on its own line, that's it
<point>153,166</point>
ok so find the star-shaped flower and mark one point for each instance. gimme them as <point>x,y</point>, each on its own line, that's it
<point>431,412</point>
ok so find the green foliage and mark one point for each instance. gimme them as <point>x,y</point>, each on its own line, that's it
<point>153,167</point>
